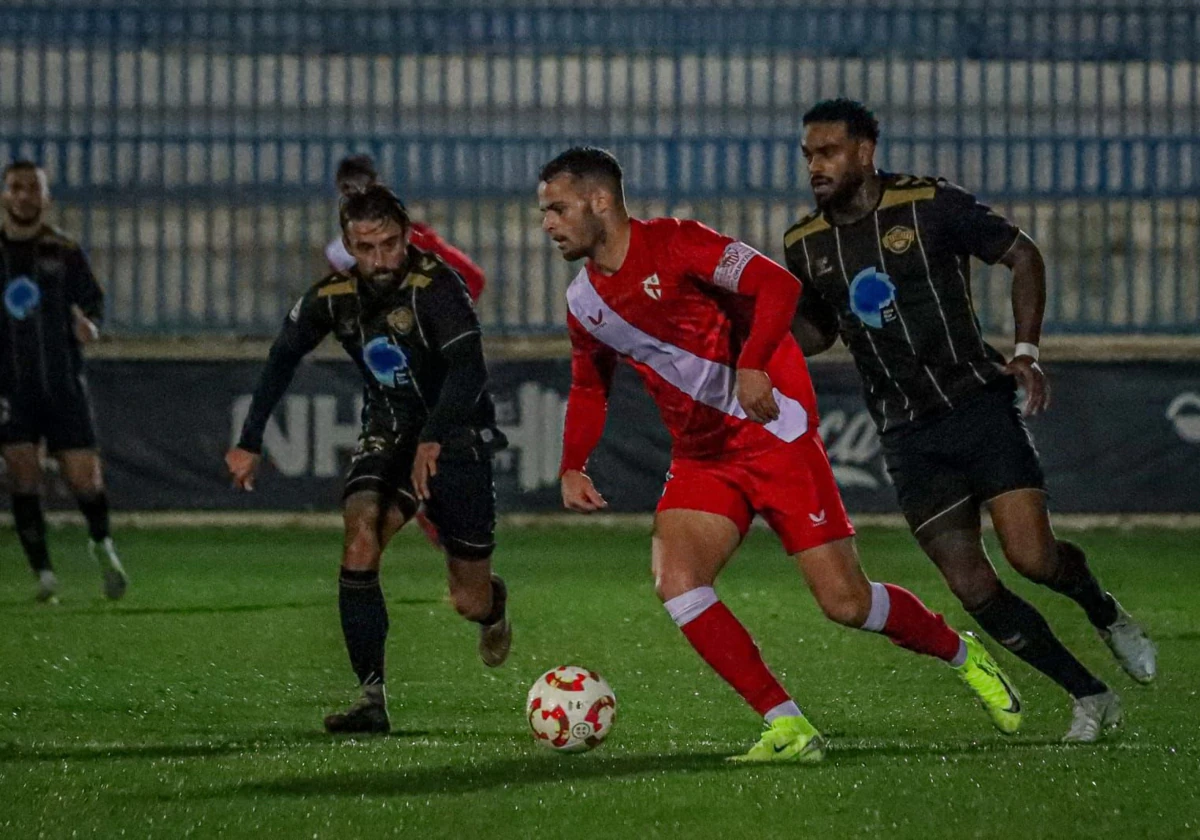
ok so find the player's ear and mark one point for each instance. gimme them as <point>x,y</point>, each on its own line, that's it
<point>866,153</point>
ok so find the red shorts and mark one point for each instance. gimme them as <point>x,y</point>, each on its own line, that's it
<point>791,486</point>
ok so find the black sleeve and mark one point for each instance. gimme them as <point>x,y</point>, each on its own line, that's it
<point>82,289</point>
<point>305,326</point>
<point>975,228</point>
<point>812,307</point>
<point>450,329</point>
<point>818,312</point>
<point>466,377</point>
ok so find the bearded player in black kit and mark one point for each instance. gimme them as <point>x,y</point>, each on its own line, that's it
<point>885,263</point>
<point>428,432</point>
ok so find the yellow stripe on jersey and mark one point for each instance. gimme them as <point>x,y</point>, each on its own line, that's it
<point>802,230</point>
<point>344,287</point>
<point>893,197</point>
<point>418,281</point>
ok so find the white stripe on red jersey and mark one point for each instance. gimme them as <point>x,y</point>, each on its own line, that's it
<point>707,382</point>
<point>670,311</point>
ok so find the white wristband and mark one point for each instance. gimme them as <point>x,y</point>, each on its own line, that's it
<point>1024,348</point>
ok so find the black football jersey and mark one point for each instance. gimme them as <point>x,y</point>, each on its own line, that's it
<point>899,283</point>
<point>397,336</point>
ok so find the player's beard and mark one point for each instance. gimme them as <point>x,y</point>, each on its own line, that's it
<point>384,277</point>
<point>594,233</point>
<point>843,195</point>
<point>16,219</point>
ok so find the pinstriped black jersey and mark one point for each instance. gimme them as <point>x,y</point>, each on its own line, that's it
<point>899,283</point>
<point>401,337</point>
<point>42,278</point>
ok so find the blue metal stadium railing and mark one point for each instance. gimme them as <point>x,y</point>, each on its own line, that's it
<point>191,146</point>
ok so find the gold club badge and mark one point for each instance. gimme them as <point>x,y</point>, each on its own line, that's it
<point>899,239</point>
<point>401,320</point>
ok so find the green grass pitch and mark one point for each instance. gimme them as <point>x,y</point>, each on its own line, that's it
<point>193,707</point>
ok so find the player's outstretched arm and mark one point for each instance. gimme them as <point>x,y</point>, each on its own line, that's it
<point>1028,268</point>
<point>303,329</point>
<point>592,368</point>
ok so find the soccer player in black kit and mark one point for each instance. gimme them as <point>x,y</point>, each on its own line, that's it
<point>52,305</point>
<point>428,431</point>
<point>885,264</point>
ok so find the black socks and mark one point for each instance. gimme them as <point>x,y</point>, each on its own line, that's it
<point>1075,580</point>
<point>31,529</point>
<point>364,623</point>
<point>1014,623</point>
<point>94,507</point>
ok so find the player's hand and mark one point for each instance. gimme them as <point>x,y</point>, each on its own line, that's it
<point>579,494</point>
<point>243,466</point>
<point>1032,379</point>
<point>85,330</point>
<point>755,393</point>
<point>425,468</point>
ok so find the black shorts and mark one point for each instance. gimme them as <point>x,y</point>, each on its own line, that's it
<point>463,497</point>
<point>970,455</point>
<point>63,424</point>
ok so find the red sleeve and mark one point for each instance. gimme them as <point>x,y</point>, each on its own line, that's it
<point>427,239</point>
<point>776,293</point>
<point>736,267</point>
<point>592,368</point>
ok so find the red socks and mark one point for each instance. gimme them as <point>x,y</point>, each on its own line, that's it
<point>724,644</point>
<point>911,625</point>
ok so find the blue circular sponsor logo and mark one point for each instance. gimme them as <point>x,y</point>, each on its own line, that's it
<point>872,295</point>
<point>21,297</point>
<point>386,361</point>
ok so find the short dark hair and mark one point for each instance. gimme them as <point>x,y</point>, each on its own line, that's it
<point>585,162</point>
<point>355,165</point>
<point>375,203</point>
<point>859,121</point>
<point>21,165</point>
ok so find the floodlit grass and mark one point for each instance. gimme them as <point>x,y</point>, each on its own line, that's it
<point>193,707</point>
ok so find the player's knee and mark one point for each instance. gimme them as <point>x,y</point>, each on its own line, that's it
<point>845,603</point>
<point>849,610</point>
<point>973,584</point>
<point>671,582</point>
<point>1036,562</point>
<point>361,550</point>
<point>85,487</point>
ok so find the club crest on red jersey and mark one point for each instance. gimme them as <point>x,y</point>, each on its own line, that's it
<point>652,287</point>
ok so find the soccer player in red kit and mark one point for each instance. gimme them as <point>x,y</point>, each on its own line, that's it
<point>704,319</point>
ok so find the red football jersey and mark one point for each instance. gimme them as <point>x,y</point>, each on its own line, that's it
<point>673,312</point>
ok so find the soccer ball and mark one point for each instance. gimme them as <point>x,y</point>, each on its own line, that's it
<point>570,709</point>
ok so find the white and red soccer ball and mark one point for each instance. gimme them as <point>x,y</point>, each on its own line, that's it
<point>570,709</point>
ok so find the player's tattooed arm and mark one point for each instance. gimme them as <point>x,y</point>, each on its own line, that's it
<point>1028,268</point>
